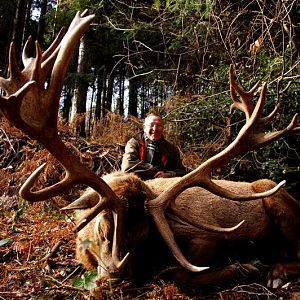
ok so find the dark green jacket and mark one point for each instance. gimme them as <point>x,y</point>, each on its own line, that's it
<point>135,153</point>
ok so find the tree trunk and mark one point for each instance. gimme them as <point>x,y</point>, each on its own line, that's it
<point>67,103</point>
<point>99,97</point>
<point>109,94</point>
<point>7,13</point>
<point>293,28</point>
<point>120,104</point>
<point>26,30</point>
<point>143,100</point>
<point>104,92</point>
<point>80,92</point>
<point>133,102</point>
<point>19,26</point>
<point>42,23</point>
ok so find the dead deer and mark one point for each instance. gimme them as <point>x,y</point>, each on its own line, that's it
<point>194,213</point>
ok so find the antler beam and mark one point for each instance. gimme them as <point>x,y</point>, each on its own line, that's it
<point>249,138</point>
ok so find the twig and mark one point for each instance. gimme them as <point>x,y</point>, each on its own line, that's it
<point>251,289</point>
<point>14,295</point>
<point>12,147</point>
<point>53,250</point>
<point>117,28</point>
<point>63,286</point>
<point>71,274</point>
<point>29,251</point>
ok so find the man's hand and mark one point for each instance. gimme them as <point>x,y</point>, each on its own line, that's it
<point>162,174</point>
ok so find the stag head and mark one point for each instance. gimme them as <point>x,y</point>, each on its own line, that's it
<point>32,106</point>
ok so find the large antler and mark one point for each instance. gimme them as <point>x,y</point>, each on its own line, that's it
<point>33,108</point>
<point>249,138</point>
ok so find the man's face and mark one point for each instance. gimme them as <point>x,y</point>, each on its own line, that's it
<point>154,128</point>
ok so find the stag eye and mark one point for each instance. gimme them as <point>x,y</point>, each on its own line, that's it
<point>3,92</point>
<point>102,237</point>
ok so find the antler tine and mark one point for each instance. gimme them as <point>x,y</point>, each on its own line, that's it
<point>75,31</point>
<point>54,47</point>
<point>254,138</point>
<point>26,59</point>
<point>46,193</point>
<point>13,66</point>
<point>262,140</point>
<point>118,221</point>
<point>268,119</point>
<point>13,70</point>
<point>167,235</point>
<point>47,57</point>
<point>245,103</point>
<point>36,70</point>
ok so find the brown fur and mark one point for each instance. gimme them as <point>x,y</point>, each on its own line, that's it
<point>94,241</point>
<point>262,217</point>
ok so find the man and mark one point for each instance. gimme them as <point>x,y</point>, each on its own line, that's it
<point>150,155</point>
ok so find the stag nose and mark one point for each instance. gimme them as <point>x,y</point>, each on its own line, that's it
<point>114,281</point>
<point>112,275</point>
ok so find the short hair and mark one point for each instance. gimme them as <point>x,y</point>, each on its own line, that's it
<point>154,114</point>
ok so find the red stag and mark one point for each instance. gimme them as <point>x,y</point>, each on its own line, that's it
<point>197,217</point>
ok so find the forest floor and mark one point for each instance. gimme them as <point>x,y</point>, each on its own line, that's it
<point>37,261</point>
<point>37,242</point>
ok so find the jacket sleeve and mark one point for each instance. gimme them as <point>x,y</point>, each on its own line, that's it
<point>132,163</point>
<point>178,168</point>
